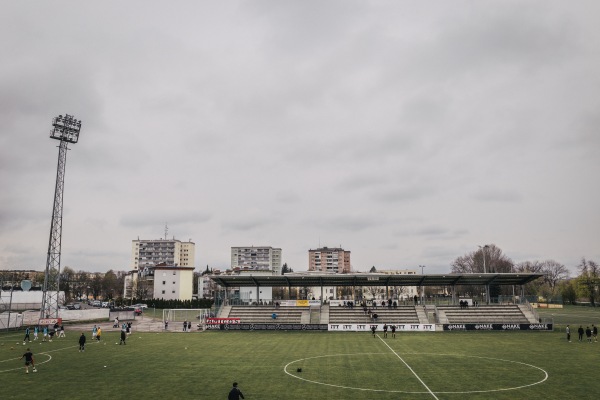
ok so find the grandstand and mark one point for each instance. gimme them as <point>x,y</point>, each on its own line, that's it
<point>446,314</point>
<point>356,315</point>
<point>264,314</point>
<point>485,314</point>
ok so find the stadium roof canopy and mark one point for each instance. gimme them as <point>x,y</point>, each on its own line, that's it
<point>310,279</point>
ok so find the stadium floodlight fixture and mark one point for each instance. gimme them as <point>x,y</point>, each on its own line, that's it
<point>65,128</point>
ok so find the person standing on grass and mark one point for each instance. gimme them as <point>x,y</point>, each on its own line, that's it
<point>98,334</point>
<point>235,393</point>
<point>373,329</point>
<point>385,328</point>
<point>82,342</point>
<point>393,331</point>
<point>123,337</point>
<point>189,326</point>
<point>568,334</point>
<point>588,334</point>
<point>45,333</point>
<point>595,332</point>
<point>94,332</point>
<point>26,336</point>
<point>580,333</point>
<point>35,332</point>
<point>28,356</point>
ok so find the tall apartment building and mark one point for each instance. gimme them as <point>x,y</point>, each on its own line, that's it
<point>326,259</point>
<point>261,258</point>
<point>149,253</point>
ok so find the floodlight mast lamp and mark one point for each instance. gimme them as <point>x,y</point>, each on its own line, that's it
<point>66,130</point>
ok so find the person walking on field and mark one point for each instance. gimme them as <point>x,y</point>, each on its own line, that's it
<point>595,332</point>
<point>580,333</point>
<point>81,342</point>
<point>393,331</point>
<point>28,356</point>
<point>98,334</point>
<point>568,334</point>
<point>235,393</point>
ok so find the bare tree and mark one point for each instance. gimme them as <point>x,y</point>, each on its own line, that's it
<point>486,259</point>
<point>554,272</point>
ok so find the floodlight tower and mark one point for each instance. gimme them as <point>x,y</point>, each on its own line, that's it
<point>66,130</point>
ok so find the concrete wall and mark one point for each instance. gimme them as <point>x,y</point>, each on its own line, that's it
<point>24,300</point>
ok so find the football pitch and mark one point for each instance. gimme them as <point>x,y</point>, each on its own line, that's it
<point>305,365</point>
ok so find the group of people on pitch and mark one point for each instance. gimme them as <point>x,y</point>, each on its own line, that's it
<point>47,333</point>
<point>590,333</point>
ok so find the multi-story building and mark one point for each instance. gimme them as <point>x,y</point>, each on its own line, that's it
<point>261,258</point>
<point>326,259</point>
<point>173,283</point>
<point>149,257</point>
<point>149,253</point>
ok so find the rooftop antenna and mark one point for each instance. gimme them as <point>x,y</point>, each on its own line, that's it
<point>166,230</point>
<point>66,130</point>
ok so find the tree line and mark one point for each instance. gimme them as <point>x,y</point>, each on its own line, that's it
<point>556,283</point>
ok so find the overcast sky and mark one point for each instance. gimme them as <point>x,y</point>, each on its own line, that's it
<point>406,132</point>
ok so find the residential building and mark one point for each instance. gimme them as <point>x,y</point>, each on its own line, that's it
<point>325,259</point>
<point>256,258</point>
<point>173,283</point>
<point>149,253</point>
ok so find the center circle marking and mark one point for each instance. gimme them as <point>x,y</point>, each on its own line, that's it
<point>285,369</point>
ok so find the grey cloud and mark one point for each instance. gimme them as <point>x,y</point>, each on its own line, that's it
<point>348,223</point>
<point>405,193</point>
<point>157,219</point>
<point>499,196</point>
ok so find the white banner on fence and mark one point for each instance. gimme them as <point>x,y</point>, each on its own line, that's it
<point>367,327</point>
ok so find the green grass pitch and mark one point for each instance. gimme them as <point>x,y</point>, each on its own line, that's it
<point>441,365</point>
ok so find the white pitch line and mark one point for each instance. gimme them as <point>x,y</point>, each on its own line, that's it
<point>411,370</point>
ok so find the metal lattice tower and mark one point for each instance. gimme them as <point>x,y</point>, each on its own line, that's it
<point>66,129</point>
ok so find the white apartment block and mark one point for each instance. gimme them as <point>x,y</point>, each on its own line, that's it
<point>260,258</point>
<point>150,253</point>
<point>326,259</point>
<point>173,283</point>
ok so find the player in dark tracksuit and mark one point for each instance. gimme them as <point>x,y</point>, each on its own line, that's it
<point>82,342</point>
<point>235,393</point>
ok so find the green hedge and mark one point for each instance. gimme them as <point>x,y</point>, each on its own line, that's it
<point>161,303</point>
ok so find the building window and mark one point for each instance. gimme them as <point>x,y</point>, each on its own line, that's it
<point>164,282</point>
<point>174,283</point>
<point>173,291</point>
<point>174,272</point>
<point>163,292</point>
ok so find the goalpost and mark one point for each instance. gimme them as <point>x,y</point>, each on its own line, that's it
<point>197,316</point>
